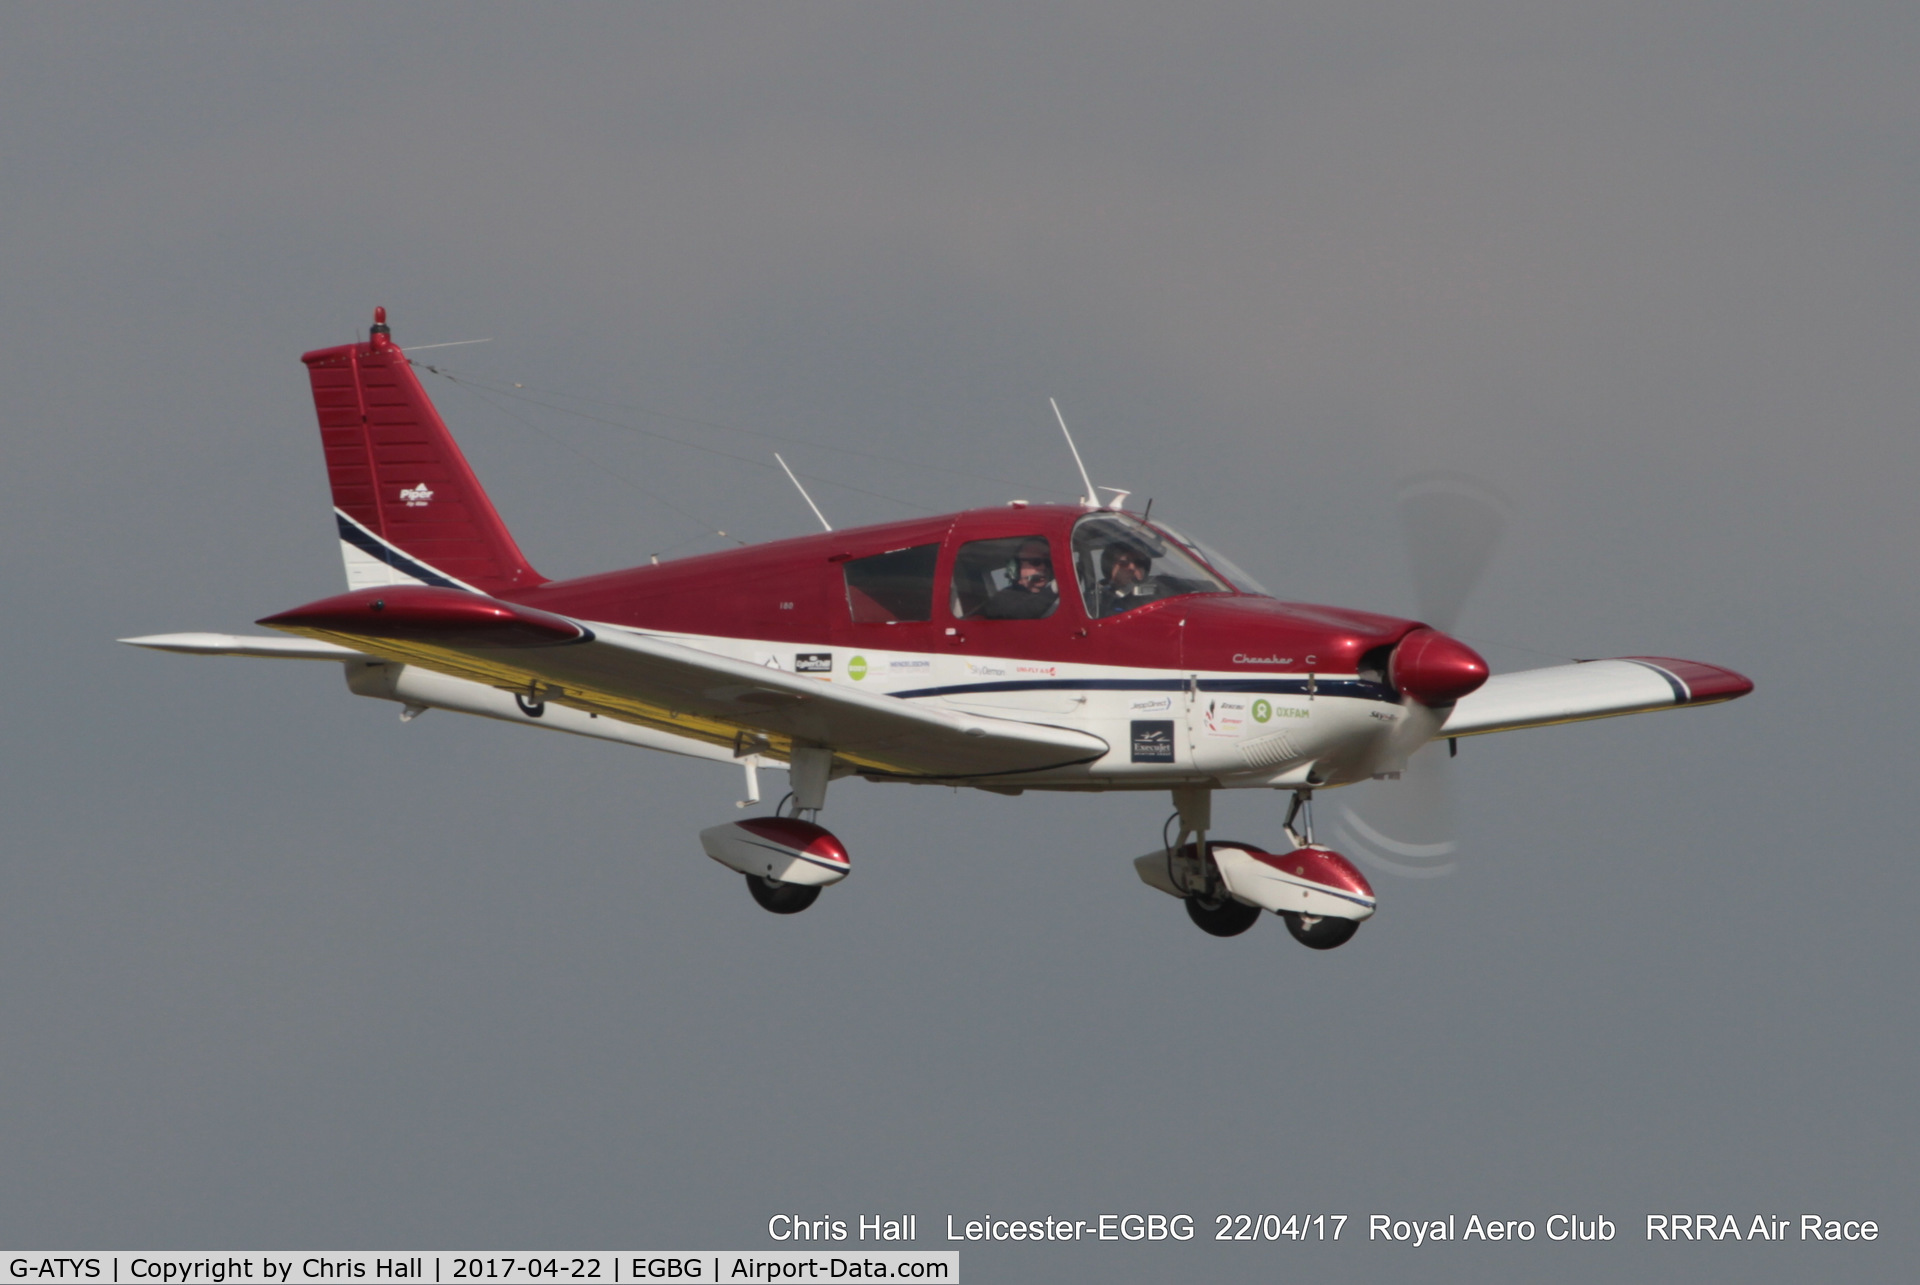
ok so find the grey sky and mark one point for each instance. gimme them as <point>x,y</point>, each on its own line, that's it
<point>279,971</point>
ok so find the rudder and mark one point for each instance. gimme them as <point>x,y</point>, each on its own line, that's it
<point>408,507</point>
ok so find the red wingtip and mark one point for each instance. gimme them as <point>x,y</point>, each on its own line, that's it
<point>1705,683</point>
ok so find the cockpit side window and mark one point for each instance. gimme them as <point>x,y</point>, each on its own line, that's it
<point>1122,563</point>
<point>891,587</point>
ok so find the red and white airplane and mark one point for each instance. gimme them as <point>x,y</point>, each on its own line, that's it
<point>1031,647</point>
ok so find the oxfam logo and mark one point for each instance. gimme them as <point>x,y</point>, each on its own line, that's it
<point>857,668</point>
<point>1262,711</point>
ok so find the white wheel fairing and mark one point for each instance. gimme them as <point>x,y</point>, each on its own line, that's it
<point>778,848</point>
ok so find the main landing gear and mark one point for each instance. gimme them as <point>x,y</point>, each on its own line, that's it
<point>1225,885</point>
<point>786,858</point>
<point>782,898</point>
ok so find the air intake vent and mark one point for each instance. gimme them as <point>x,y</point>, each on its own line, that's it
<point>1269,751</point>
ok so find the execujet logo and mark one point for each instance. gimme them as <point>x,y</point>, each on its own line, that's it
<point>417,497</point>
<point>813,662</point>
<point>1153,740</point>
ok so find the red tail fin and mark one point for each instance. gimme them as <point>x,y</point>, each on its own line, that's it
<point>408,507</point>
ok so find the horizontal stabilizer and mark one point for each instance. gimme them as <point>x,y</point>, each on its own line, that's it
<point>267,646</point>
<point>1590,689</point>
<point>446,617</point>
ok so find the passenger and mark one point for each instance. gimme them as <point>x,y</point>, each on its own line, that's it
<point>1030,594</point>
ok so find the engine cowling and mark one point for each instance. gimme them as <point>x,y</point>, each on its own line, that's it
<point>783,849</point>
<point>1434,669</point>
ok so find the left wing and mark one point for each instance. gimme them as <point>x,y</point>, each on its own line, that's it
<point>637,678</point>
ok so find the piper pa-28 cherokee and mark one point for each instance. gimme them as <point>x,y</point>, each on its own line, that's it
<point>1031,647</point>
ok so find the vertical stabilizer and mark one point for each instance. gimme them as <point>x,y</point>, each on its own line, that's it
<point>409,509</point>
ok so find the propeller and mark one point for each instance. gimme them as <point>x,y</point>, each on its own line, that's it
<point>1452,524</point>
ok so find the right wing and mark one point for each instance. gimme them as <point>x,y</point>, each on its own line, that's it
<point>1590,689</point>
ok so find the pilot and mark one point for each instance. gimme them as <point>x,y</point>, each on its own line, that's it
<point>1030,594</point>
<point>1125,583</point>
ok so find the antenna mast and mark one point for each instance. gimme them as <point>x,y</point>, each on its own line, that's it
<point>810,504</point>
<point>1091,499</point>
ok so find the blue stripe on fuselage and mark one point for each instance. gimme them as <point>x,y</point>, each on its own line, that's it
<point>1277,685</point>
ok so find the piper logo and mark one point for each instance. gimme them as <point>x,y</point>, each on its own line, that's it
<point>857,668</point>
<point>417,497</point>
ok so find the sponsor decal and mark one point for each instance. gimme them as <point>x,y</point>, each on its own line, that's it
<point>813,662</point>
<point>417,497</point>
<point>1147,704</point>
<point>1262,711</point>
<point>1153,740</point>
<point>857,668</point>
<point>1048,670</point>
<point>1224,717</point>
<point>986,671</point>
<point>909,664</point>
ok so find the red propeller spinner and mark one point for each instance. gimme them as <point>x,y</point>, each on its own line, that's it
<point>1434,669</point>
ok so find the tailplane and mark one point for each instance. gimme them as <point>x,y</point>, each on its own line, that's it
<point>409,509</point>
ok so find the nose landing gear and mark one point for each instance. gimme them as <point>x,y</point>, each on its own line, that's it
<point>1317,932</point>
<point>1317,892</point>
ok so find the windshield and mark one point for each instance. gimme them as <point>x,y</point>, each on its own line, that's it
<point>1221,563</point>
<point>1122,563</point>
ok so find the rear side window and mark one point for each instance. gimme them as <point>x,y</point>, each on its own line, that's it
<point>1011,578</point>
<point>891,587</point>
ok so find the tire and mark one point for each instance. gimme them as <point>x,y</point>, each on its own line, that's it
<point>1222,918</point>
<point>1320,932</point>
<point>782,898</point>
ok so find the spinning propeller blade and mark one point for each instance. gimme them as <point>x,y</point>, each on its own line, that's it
<point>1405,827</point>
<point>1452,524</point>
